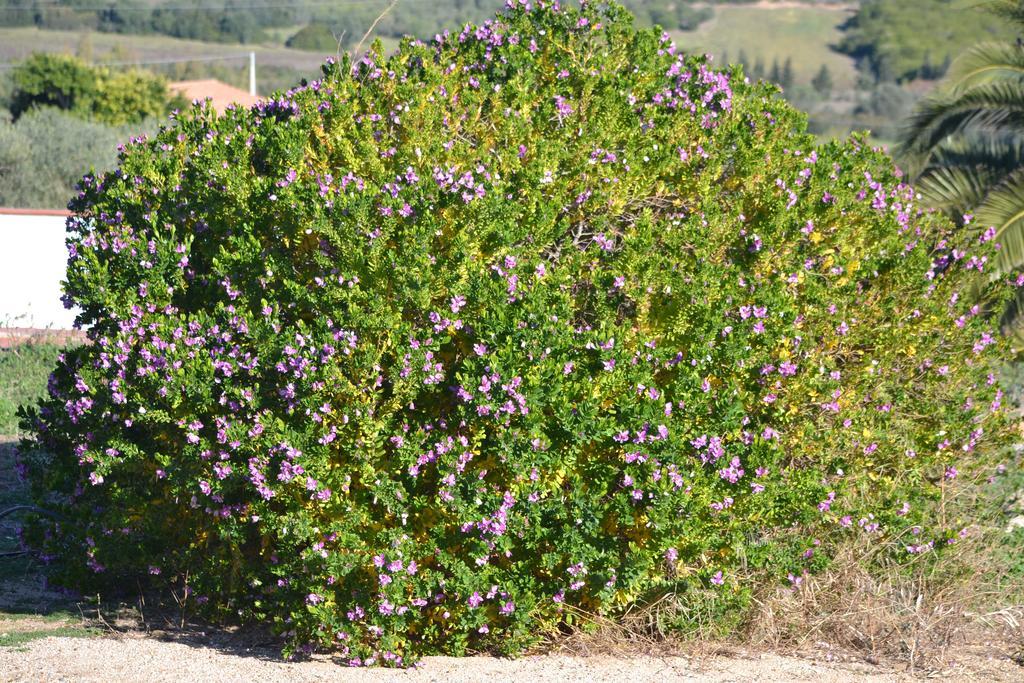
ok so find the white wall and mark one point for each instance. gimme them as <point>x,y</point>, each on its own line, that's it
<point>33,262</point>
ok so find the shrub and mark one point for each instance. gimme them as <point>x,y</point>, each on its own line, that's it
<point>435,352</point>
<point>23,372</point>
<point>313,37</point>
<point>89,92</point>
<point>45,152</point>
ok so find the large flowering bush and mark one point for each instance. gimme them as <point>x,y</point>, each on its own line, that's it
<point>544,315</point>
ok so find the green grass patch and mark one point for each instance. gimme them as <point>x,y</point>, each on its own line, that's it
<point>768,33</point>
<point>11,636</point>
<point>24,371</point>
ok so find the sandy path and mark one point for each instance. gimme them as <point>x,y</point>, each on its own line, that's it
<point>130,658</point>
<point>140,658</point>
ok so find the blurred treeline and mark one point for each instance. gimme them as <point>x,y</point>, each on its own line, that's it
<point>245,21</point>
<point>900,49</point>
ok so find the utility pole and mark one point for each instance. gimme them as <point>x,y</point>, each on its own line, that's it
<point>252,74</point>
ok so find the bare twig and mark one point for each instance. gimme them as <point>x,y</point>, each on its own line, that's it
<point>142,606</point>
<point>376,21</point>
<point>339,39</point>
<point>99,615</point>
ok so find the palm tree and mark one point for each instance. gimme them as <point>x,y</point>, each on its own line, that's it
<point>965,142</point>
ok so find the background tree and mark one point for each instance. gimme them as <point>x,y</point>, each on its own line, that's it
<point>315,37</point>
<point>53,80</point>
<point>745,61</point>
<point>89,92</point>
<point>758,70</point>
<point>822,81</point>
<point>786,80</point>
<point>965,147</point>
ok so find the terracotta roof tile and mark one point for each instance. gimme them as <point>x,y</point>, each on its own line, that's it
<point>219,92</point>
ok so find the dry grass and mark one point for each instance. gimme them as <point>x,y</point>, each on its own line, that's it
<point>899,614</point>
<point>640,630</point>
<point>920,616</point>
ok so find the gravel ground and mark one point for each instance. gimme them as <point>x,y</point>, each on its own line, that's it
<point>141,658</point>
<point>144,659</point>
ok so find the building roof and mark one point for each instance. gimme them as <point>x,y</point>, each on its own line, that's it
<point>221,94</point>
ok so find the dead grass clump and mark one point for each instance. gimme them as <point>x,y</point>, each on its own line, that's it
<point>695,622</point>
<point>920,614</point>
<point>908,613</point>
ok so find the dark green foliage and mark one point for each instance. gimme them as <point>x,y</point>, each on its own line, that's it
<point>897,40</point>
<point>241,21</point>
<point>242,25</point>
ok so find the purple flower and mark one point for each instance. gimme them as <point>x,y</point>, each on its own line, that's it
<point>562,108</point>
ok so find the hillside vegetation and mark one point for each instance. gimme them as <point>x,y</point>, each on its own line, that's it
<point>900,40</point>
<point>803,34</point>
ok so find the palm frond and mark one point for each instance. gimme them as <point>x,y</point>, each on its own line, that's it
<point>1011,322</point>
<point>1011,10</point>
<point>1003,209</point>
<point>983,63</point>
<point>955,190</point>
<point>998,150</point>
<point>965,143</point>
<point>962,170</point>
<point>989,106</point>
